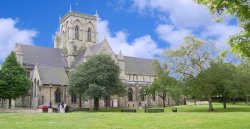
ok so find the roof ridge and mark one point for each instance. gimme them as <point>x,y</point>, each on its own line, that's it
<point>40,46</point>
<point>140,58</point>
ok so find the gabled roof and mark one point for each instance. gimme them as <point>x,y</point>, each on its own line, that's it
<point>43,56</point>
<point>93,49</point>
<point>54,75</point>
<point>88,52</point>
<point>134,65</point>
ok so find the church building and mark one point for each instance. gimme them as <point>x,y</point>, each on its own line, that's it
<point>76,41</point>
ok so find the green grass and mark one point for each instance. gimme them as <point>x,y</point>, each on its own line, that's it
<point>187,117</point>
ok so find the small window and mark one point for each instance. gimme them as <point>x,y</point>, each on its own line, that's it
<point>73,98</point>
<point>77,33</point>
<point>142,97</point>
<point>58,95</point>
<point>89,35</point>
<point>130,94</point>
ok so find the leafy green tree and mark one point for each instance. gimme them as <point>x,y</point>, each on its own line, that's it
<point>97,78</point>
<point>242,81</point>
<point>240,9</point>
<point>163,85</point>
<point>192,58</point>
<point>14,80</point>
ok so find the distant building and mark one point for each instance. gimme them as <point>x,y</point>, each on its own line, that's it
<point>75,43</point>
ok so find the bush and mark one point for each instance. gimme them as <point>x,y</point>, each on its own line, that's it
<point>128,110</point>
<point>81,109</point>
<point>154,110</point>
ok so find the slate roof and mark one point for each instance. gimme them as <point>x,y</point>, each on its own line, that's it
<point>43,56</point>
<point>134,65</point>
<point>52,74</point>
<point>95,47</point>
<point>90,51</point>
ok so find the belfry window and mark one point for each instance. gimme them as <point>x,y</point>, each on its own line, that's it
<point>89,35</point>
<point>77,33</point>
<point>130,94</point>
<point>58,95</point>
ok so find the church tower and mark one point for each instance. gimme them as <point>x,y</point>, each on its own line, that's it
<point>77,32</point>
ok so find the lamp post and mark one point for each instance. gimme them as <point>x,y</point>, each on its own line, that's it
<point>50,103</point>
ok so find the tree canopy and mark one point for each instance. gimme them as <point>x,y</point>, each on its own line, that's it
<point>97,77</point>
<point>164,85</point>
<point>240,42</point>
<point>14,81</point>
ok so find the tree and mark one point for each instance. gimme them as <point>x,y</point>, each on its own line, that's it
<point>96,78</point>
<point>14,80</point>
<point>240,9</point>
<point>220,80</point>
<point>242,81</point>
<point>163,85</point>
<point>190,59</point>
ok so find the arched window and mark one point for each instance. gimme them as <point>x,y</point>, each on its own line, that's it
<point>77,32</point>
<point>89,35</point>
<point>142,95</point>
<point>73,98</point>
<point>58,95</point>
<point>130,94</point>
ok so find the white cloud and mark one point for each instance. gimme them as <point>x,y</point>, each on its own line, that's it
<point>10,35</point>
<point>143,46</point>
<point>181,13</point>
<point>219,33</point>
<point>171,35</point>
<point>183,17</point>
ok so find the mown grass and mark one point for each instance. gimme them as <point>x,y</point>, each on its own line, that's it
<point>187,117</point>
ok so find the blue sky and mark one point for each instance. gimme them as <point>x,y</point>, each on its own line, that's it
<point>140,28</point>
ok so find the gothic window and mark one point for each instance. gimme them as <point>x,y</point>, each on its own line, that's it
<point>153,96</point>
<point>89,35</point>
<point>130,94</point>
<point>142,95</point>
<point>73,98</point>
<point>77,33</point>
<point>58,95</point>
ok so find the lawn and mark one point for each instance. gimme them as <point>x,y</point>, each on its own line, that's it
<point>235,117</point>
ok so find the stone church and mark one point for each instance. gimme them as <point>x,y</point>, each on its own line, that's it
<point>77,41</point>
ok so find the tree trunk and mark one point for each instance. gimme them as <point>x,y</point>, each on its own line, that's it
<point>209,99</point>
<point>224,103</point>
<point>164,101</point>
<point>107,102</point>
<point>80,102</point>
<point>168,101</point>
<point>233,100</point>
<point>2,103</point>
<point>194,101</point>
<point>96,103</point>
<point>9,102</point>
